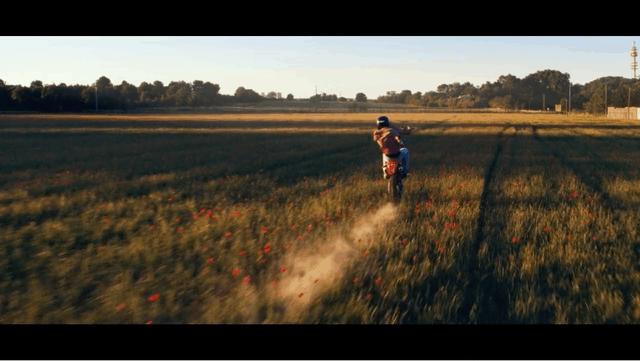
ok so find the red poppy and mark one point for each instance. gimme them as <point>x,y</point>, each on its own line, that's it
<point>209,213</point>
<point>378,281</point>
<point>235,272</point>
<point>210,260</point>
<point>365,253</point>
<point>149,322</point>
<point>283,269</point>
<point>235,213</point>
<point>242,253</point>
<point>154,297</point>
<point>451,213</point>
<point>369,296</point>
<point>195,216</point>
<point>309,228</point>
<point>246,280</point>
<point>267,248</point>
<point>179,230</point>
<point>301,294</point>
<point>355,280</point>
<point>546,229</point>
<point>404,242</point>
<point>293,226</point>
<point>227,234</point>
<point>202,210</point>
<point>120,307</point>
<point>514,240</point>
<point>299,238</point>
<point>264,230</point>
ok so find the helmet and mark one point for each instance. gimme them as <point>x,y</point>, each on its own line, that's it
<point>383,121</point>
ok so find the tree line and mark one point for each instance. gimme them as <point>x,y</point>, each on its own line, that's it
<point>104,95</point>
<point>536,91</point>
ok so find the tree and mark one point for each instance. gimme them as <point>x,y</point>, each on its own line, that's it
<point>289,96</point>
<point>204,93</point>
<point>272,95</point>
<point>244,95</point>
<point>5,96</point>
<point>361,98</point>
<point>178,93</point>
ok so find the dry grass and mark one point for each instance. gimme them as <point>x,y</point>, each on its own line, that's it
<point>272,218</point>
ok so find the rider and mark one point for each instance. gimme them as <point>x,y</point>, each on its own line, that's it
<point>388,138</point>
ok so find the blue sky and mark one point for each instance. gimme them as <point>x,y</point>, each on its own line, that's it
<point>340,65</point>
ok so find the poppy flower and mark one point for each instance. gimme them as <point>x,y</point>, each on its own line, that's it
<point>209,213</point>
<point>546,229</point>
<point>149,322</point>
<point>267,248</point>
<point>210,260</point>
<point>378,281</point>
<point>369,296</point>
<point>264,230</point>
<point>283,269</point>
<point>246,280</point>
<point>235,272</point>
<point>514,240</point>
<point>120,307</point>
<point>293,226</point>
<point>309,228</point>
<point>242,253</point>
<point>154,297</point>
<point>227,234</point>
<point>202,210</point>
<point>179,230</point>
<point>235,214</point>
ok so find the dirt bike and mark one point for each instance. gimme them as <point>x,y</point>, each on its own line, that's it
<point>394,174</point>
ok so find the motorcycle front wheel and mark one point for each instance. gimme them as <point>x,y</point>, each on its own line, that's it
<point>394,188</point>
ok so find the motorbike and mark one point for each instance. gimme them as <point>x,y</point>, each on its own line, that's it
<point>394,173</point>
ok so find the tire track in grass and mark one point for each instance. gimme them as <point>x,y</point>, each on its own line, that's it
<point>594,183</point>
<point>470,297</point>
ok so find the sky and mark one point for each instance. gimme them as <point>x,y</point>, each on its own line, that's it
<point>298,64</point>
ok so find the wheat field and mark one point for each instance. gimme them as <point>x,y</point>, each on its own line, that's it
<point>282,218</point>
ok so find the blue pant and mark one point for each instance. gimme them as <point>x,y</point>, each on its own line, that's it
<point>404,159</point>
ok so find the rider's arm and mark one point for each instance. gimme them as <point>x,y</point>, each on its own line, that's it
<point>403,130</point>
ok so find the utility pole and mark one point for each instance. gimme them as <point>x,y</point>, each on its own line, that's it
<point>629,104</point>
<point>96,97</point>
<point>606,110</point>
<point>569,105</point>
<point>544,107</point>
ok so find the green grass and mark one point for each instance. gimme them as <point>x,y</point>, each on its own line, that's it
<point>505,218</point>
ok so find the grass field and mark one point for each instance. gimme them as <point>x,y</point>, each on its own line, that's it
<point>269,218</point>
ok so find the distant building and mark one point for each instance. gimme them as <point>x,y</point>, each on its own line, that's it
<point>561,108</point>
<point>623,113</point>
